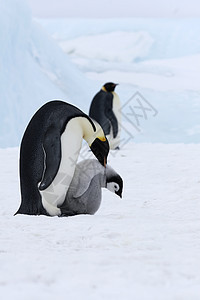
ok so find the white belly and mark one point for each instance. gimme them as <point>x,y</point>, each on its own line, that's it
<point>114,142</point>
<point>71,141</point>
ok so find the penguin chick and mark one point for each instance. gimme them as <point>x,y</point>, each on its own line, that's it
<point>84,194</point>
<point>105,109</point>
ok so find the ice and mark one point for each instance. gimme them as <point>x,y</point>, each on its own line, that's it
<point>143,246</point>
<point>34,70</point>
<point>115,46</point>
<point>166,73</point>
<point>159,58</point>
<point>172,37</point>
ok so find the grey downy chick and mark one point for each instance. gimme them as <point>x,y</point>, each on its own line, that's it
<point>84,194</point>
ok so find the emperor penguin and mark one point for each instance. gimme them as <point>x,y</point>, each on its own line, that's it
<point>84,194</point>
<point>105,109</point>
<point>48,154</point>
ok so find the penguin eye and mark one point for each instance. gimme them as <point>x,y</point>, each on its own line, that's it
<point>116,187</point>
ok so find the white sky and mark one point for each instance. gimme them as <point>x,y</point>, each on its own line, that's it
<point>115,8</point>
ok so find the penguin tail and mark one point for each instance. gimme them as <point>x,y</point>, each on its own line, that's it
<point>17,212</point>
<point>22,212</point>
<point>35,211</point>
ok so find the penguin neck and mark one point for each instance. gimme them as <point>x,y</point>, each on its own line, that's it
<point>99,170</point>
<point>89,134</point>
<point>115,94</point>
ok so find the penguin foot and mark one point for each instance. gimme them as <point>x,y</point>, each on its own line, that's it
<point>67,213</point>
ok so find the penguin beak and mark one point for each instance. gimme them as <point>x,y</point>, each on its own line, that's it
<point>119,194</point>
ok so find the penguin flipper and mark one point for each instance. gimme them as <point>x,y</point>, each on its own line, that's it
<point>52,153</point>
<point>111,116</point>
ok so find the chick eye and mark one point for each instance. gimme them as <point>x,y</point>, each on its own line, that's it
<point>116,187</point>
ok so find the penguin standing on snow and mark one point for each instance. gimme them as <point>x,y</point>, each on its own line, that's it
<point>84,193</point>
<point>105,109</point>
<point>49,152</point>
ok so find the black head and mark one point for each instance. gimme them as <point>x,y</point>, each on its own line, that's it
<point>110,86</point>
<point>100,148</point>
<point>115,184</point>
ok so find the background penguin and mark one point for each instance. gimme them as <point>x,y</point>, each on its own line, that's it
<point>49,152</point>
<point>105,109</point>
<point>84,193</point>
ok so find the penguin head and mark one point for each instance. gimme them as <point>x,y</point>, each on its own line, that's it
<point>114,182</point>
<point>96,140</point>
<point>100,148</point>
<point>109,86</point>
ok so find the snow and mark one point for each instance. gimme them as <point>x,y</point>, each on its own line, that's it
<point>143,246</point>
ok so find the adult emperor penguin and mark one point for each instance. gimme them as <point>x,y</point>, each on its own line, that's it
<point>49,152</point>
<point>84,194</point>
<point>105,109</point>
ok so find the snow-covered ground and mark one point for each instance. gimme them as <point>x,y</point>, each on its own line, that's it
<point>144,246</point>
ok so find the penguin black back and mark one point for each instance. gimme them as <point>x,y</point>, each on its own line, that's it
<point>101,109</point>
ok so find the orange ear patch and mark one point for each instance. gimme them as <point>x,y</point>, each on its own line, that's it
<point>103,89</point>
<point>103,139</point>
